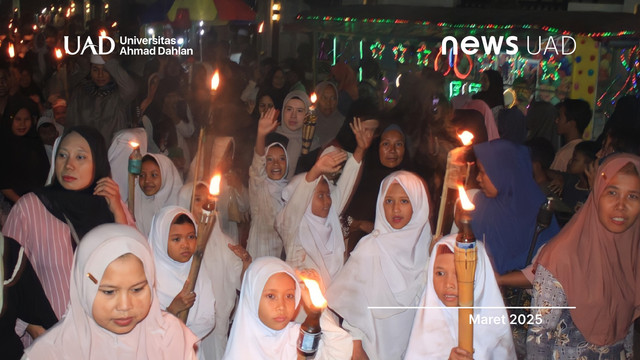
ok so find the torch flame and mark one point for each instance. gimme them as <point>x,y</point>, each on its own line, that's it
<point>58,54</point>
<point>317,298</point>
<point>464,199</point>
<point>12,51</point>
<point>466,137</point>
<point>103,33</point>
<point>214,186</point>
<point>133,144</point>
<point>261,27</point>
<point>313,98</point>
<point>215,80</point>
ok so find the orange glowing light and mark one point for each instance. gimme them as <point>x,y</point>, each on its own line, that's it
<point>35,27</point>
<point>103,33</point>
<point>466,137</point>
<point>313,98</point>
<point>58,54</point>
<point>133,144</point>
<point>317,298</point>
<point>214,186</point>
<point>115,23</point>
<point>261,27</point>
<point>12,51</point>
<point>464,199</point>
<point>215,80</point>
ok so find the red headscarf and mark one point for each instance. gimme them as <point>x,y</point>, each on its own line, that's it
<point>597,268</point>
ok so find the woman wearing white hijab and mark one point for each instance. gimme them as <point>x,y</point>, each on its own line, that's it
<point>159,335</point>
<point>171,274</point>
<point>387,268</point>
<point>147,206</point>
<point>435,328</point>
<point>252,339</point>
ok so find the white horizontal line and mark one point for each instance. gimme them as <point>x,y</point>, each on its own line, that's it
<point>470,307</point>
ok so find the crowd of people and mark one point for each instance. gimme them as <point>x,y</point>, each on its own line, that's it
<point>352,204</point>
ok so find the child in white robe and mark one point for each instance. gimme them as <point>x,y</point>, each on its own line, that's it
<point>263,327</point>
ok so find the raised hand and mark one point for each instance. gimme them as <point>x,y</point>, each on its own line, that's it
<point>183,301</point>
<point>109,189</point>
<point>364,136</point>
<point>268,122</point>
<point>331,162</point>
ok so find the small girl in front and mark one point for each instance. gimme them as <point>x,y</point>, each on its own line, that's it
<point>263,327</point>
<point>387,268</point>
<point>435,328</point>
<point>159,184</point>
<point>173,241</point>
<point>113,312</point>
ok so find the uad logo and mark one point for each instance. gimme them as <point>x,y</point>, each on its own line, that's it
<point>96,49</point>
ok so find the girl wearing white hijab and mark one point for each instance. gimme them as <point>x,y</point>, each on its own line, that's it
<point>165,194</point>
<point>435,328</point>
<point>223,267</point>
<point>387,268</point>
<point>252,338</point>
<point>143,332</point>
<point>118,154</point>
<point>267,179</point>
<point>172,274</point>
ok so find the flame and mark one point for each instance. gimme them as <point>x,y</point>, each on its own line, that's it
<point>115,23</point>
<point>35,27</point>
<point>466,137</point>
<point>464,199</point>
<point>313,98</point>
<point>215,80</point>
<point>58,54</point>
<point>103,33</point>
<point>12,51</point>
<point>317,298</point>
<point>214,187</point>
<point>133,144</point>
<point>261,27</point>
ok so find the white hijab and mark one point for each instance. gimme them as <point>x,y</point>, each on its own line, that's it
<point>118,154</point>
<point>435,330</point>
<point>250,338</point>
<point>321,238</point>
<point>275,187</point>
<point>387,267</point>
<point>147,206</point>
<point>78,336</point>
<point>171,274</point>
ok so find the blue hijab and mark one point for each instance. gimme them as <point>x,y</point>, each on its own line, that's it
<point>508,221</point>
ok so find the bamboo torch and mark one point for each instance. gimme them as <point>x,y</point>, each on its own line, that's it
<point>465,256</point>
<point>134,167</point>
<point>12,52</point>
<point>62,72</point>
<point>454,174</point>
<point>205,225</point>
<point>309,126</point>
<point>310,331</point>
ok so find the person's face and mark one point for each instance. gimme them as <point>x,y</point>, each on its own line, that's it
<point>328,101</point>
<point>201,197</point>
<point>294,113</point>
<point>182,242</point>
<point>397,206</point>
<point>619,203</point>
<point>48,134</point>
<point>562,124</point>
<point>278,80</point>
<point>578,163</point>
<point>74,163</point>
<point>150,178</point>
<point>99,75</point>
<point>391,148</point>
<point>278,301</point>
<point>25,79</point>
<point>276,164</point>
<point>485,183</point>
<point>445,281</point>
<point>124,296</point>
<point>60,114</point>
<point>321,201</point>
<point>265,104</point>
<point>21,123</point>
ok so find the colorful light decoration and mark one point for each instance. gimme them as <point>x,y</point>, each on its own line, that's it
<point>453,63</point>
<point>422,53</point>
<point>630,60</point>
<point>377,48</point>
<point>398,53</point>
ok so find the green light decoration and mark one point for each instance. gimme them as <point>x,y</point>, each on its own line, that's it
<point>457,87</point>
<point>550,69</point>
<point>422,53</point>
<point>377,48</point>
<point>471,26</point>
<point>398,53</point>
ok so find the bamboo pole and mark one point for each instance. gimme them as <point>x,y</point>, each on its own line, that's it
<point>196,172</point>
